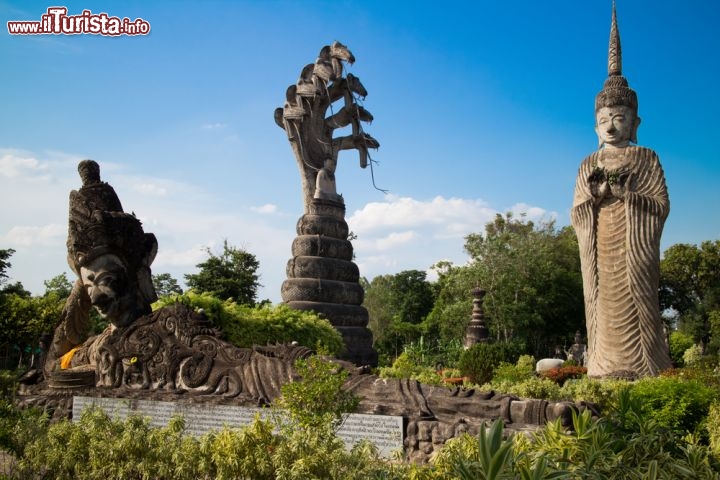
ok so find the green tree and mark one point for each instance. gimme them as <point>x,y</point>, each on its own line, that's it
<point>24,319</point>
<point>690,286</point>
<point>58,285</point>
<point>531,274</point>
<point>8,288</point>
<point>398,305</point>
<point>4,264</point>
<point>165,285</point>
<point>232,274</point>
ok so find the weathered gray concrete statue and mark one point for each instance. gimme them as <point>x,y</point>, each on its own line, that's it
<point>174,353</point>
<point>620,206</point>
<point>321,275</point>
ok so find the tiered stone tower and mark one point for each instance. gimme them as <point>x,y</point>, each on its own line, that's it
<point>322,277</point>
<point>321,274</point>
<point>476,331</point>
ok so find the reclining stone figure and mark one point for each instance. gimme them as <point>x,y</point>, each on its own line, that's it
<point>176,349</point>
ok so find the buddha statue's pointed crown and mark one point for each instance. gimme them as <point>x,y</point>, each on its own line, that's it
<point>615,90</point>
<point>98,225</point>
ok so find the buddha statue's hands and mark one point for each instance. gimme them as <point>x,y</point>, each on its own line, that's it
<point>621,186</point>
<point>599,189</point>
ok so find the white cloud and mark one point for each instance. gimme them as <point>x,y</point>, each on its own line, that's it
<point>13,165</point>
<point>213,126</point>
<point>171,258</point>
<point>404,233</point>
<point>398,211</point>
<point>395,239</point>
<point>532,213</point>
<point>151,189</point>
<point>28,236</point>
<point>265,209</point>
<point>398,233</point>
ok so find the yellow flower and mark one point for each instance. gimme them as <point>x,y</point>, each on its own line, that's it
<point>133,360</point>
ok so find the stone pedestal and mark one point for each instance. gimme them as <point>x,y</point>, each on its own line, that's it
<point>322,277</point>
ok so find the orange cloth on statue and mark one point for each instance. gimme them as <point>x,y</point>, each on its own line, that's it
<point>67,358</point>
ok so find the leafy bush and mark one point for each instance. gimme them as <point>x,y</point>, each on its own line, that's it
<point>679,342</point>
<point>320,386</point>
<point>601,392</point>
<point>693,356</point>
<point>478,362</point>
<point>625,445</point>
<point>405,367</point>
<point>246,326</point>
<point>674,403</point>
<point>100,447</point>
<point>486,456</point>
<point>518,372</point>
<point>532,387</point>
<point>19,427</point>
<point>8,383</point>
<point>713,427</point>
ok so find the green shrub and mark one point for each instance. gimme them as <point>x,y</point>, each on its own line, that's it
<point>713,427</point>
<point>487,455</point>
<point>522,370</point>
<point>318,397</point>
<point>246,326</point>
<point>601,392</point>
<point>101,448</point>
<point>8,383</point>
<point>533,387</point>
<point>19,427</point>
<point>679,342</point>
<point>693,356</point>
<point>478,362</point>
<point>674,403</point>
<point>405,367</point>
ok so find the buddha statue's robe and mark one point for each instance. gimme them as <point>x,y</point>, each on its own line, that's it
<point>619,242</point>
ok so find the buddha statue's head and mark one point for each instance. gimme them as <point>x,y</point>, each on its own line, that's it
<point>616,106</point>
<point>616,126</point>
<point>110,253</point>
<point>113,290</point>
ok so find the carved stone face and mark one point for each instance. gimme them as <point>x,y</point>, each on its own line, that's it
<point>106,281</point>
<point>616,126</point>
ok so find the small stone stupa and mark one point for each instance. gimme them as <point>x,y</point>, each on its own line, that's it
<point>476,331</point>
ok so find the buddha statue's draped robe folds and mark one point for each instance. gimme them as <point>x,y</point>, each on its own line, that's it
<point>619,240</point>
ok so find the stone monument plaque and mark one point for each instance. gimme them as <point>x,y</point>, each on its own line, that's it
<point>384,431</point>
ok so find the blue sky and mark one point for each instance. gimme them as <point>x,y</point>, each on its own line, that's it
<point>480,107</point>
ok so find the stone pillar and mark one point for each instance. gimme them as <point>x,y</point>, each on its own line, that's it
<point>322,277</point>
<point>476,331</point>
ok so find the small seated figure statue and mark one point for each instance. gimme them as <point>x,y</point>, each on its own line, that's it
<point>577,350</point>
<point>325,187</point>
<point>176,349</point>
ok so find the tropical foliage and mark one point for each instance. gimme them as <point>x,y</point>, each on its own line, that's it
<point>531,273</point>
<point>245,326</point>
<point>230,275</point>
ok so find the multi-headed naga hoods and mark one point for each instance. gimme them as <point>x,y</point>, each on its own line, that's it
<point>620,206</point>
<point>321,274</point>
<point>309,130</point>
<point>175,350</point>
